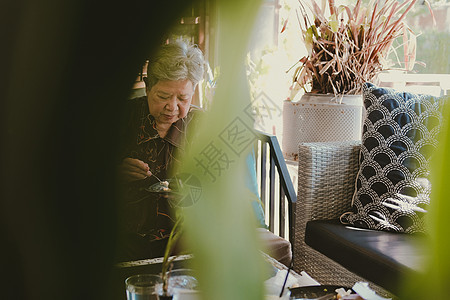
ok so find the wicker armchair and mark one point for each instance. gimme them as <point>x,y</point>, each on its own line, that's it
<point>326,182</point>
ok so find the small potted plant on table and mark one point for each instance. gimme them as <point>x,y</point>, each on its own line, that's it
<point>169,276</point>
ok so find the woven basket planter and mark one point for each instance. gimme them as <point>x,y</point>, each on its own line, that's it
<point>320,118</point>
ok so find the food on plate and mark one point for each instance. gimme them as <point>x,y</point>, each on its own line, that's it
<point>165,186</point>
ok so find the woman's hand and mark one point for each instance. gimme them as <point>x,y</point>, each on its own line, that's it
<point>133,169</point>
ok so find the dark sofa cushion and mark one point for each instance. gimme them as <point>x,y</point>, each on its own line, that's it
<point>378,256</point>
<point>400,132</point>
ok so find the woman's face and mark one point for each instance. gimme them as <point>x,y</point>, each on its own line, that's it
<point>169,101</point>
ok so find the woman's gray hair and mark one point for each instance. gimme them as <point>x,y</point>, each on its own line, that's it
<point>176,61</point>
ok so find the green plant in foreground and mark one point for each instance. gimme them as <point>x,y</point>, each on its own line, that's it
<point>219,227</point>
<point>433,282</point>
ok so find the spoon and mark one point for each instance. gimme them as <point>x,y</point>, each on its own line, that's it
<point>155,176</point>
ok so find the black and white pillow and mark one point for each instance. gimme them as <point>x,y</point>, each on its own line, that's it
<point>392,186</point>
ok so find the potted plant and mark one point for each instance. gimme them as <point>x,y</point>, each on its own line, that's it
<point>162,286</point>
<point>347,46</point>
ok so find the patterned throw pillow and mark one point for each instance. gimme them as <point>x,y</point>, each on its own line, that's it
<point>399,135</point>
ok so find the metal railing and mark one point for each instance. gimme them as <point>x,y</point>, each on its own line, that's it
<point>275,186</point>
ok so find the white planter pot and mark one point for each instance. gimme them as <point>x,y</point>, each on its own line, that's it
<point>319,118</point>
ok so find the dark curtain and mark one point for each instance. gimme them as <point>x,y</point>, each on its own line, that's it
<point>65,68</point>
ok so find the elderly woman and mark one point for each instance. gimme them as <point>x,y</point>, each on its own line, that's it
<point>155,135</point>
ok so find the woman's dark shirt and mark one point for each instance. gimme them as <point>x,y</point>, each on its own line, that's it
<point>145,213</point>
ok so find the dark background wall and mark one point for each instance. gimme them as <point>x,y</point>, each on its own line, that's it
<point>65,68</point>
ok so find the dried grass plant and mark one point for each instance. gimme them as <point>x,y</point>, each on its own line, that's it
<point>350,46</point>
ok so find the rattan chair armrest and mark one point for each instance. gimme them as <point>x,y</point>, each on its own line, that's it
<point>326,178</point>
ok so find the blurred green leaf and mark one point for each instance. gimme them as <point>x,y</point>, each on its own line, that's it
<point>220,227</point>
<point>433,284</point>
